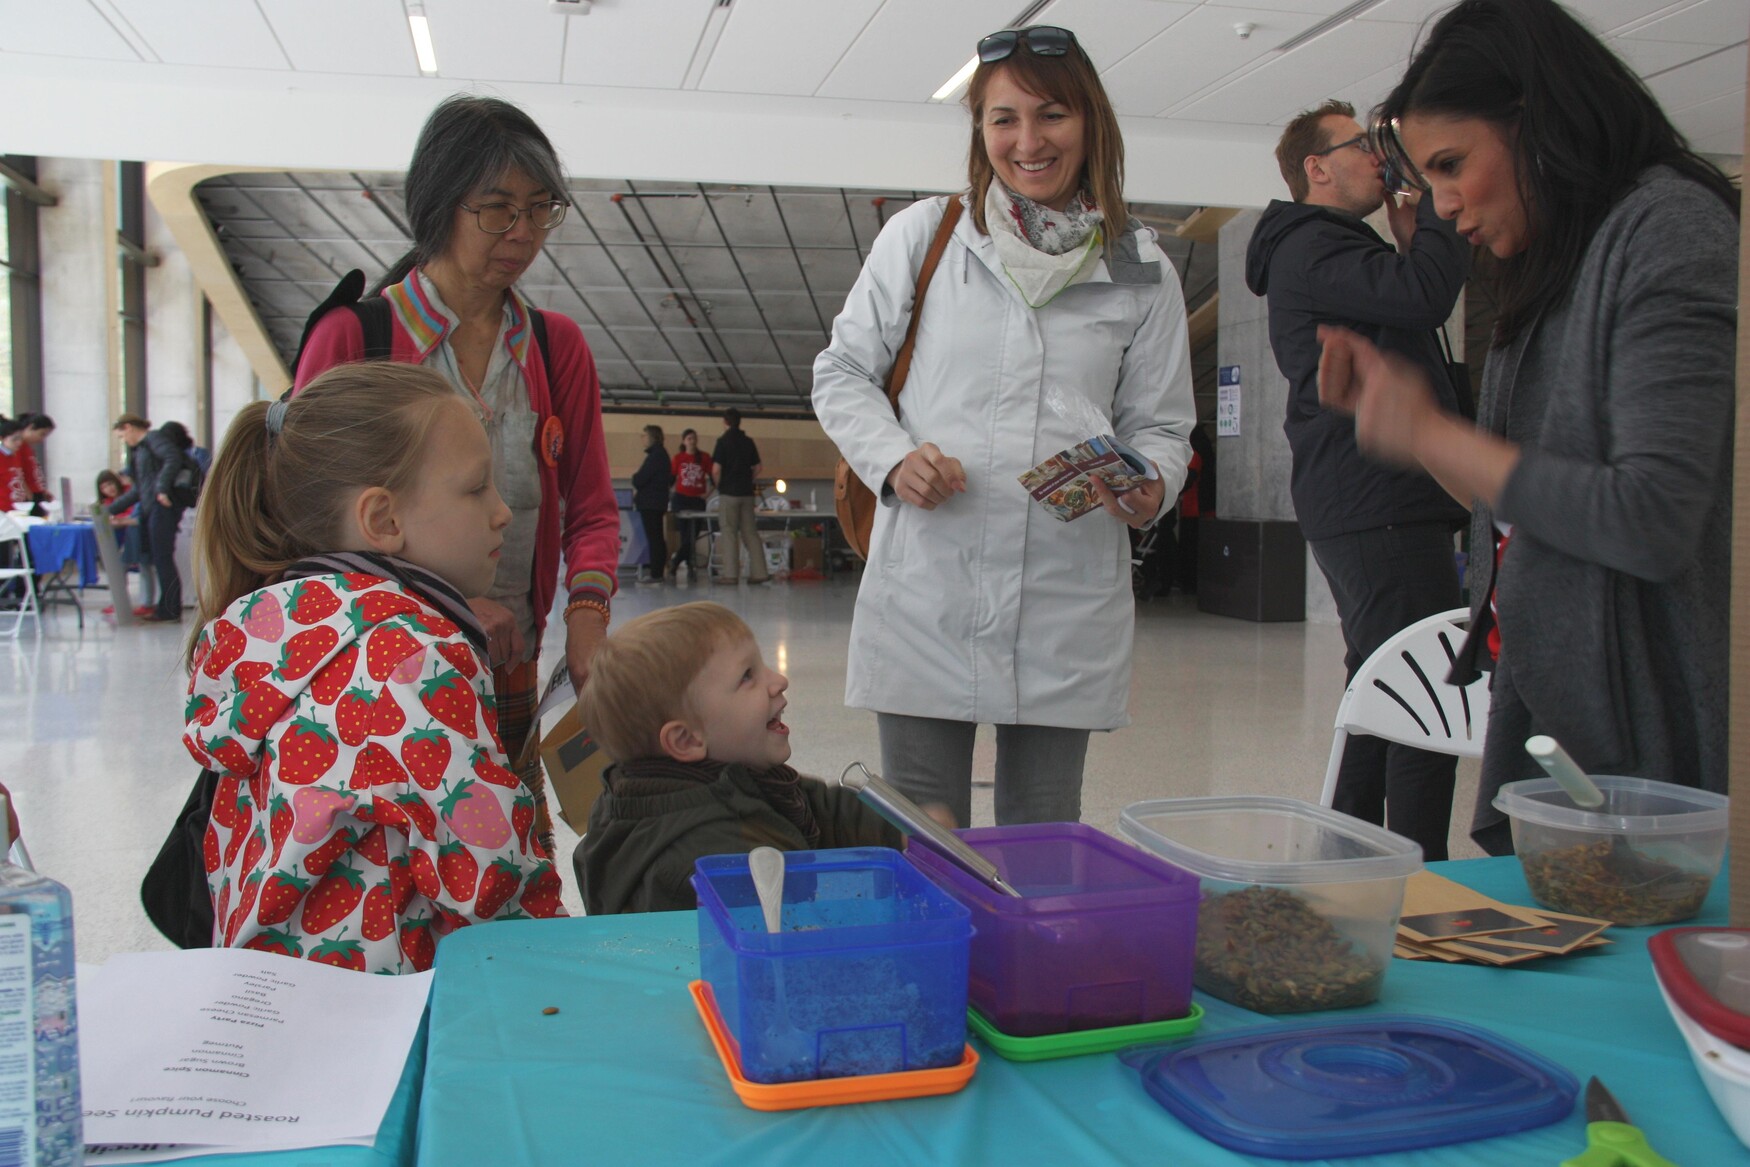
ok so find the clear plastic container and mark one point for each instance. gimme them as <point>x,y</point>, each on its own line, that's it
<point>1101,935</point>
<point>1647,856</point>
<point>866,974</point>
<point>1300,902</point>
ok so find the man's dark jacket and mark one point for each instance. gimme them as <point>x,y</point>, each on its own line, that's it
<point>1319,265</point>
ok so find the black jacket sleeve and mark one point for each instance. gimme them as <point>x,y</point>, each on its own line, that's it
<point>1350,277</point>
<point>169,458</point>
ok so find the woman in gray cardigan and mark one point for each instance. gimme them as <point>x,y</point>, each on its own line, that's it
<point>1599,467</point>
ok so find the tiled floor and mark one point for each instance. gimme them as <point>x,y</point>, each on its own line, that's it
<point>89,726</point>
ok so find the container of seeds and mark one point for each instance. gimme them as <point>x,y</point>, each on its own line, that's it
<point>1647,856</point>
<point>1299,902</point>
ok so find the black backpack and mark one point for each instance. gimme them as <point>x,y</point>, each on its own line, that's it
<point>174,892</point>
<point>375,319</point>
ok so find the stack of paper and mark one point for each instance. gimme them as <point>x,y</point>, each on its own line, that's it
<point>1061,483</point>
<point>1443,920</point>
<point>228,1050</point>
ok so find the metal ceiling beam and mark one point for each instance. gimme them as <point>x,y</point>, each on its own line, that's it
<point>801,268</point>
<point>335,219</point>
<point>758,311</point>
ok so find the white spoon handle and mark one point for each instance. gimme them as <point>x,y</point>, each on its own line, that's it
<point>1565,770</point>
<point>766,865</point>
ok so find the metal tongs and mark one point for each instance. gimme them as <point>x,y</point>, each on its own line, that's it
<point>909,817</point>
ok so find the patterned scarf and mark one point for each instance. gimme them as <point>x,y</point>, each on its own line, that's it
<point>433,589</point>
<point>1053,232</point>
<point>780,786</point>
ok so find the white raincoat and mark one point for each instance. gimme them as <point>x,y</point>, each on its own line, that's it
<point>988,609</point>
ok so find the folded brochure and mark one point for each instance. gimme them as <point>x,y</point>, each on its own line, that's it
<point>1061,485</point>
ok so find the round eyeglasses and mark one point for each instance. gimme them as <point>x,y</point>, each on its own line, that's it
<point>497,218</point>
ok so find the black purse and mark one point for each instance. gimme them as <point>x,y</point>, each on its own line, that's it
<point>174,891</point>
<point>185,484</point>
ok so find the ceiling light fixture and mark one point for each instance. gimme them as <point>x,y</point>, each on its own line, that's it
<point>422,48</point>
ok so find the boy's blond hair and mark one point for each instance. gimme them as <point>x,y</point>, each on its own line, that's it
<point>639,677</point>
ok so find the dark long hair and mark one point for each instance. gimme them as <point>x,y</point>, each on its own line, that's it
<point>468,142</point>
<point>1580,124</point>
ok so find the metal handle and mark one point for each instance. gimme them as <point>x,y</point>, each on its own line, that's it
<point>909,817</point>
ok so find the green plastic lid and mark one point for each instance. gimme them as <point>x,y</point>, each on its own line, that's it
<point>1086,1041</point>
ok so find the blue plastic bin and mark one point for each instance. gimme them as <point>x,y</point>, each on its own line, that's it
<point>867,974</point>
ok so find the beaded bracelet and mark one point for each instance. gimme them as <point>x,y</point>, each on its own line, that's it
<point>597,606</point>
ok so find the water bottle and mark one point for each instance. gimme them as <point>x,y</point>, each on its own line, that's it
<point>40,1123</point>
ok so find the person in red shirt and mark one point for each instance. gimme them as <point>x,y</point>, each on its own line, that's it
<point>692,483</point>
<point>21,474</point>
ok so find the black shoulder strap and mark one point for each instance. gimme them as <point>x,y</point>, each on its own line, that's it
<point>345,294</point>
<point>375,320</point>
<point>538,325</point>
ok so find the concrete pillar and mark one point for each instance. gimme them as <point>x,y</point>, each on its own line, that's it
<point>81,389</point>
<point>234,382</point>
<point>173,331</point>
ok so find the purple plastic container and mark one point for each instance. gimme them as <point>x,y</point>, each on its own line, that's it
<point>1102,935</point>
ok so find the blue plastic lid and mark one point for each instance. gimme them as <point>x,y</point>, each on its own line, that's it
<point>1363,1087</point>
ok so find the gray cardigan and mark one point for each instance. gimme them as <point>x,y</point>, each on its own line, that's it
<point>1613,595</point>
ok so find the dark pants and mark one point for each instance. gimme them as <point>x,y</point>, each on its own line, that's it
<point>686,507</point>
<point>1384,580</point>
<point>658,542</point>
<point>161,523</point>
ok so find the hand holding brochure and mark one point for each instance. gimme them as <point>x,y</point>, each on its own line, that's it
<point>1061,483</point>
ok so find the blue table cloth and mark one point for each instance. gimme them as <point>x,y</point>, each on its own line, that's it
<point>623,1073</point>
<point>54,544</point>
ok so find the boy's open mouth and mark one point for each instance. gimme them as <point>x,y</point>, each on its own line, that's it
<point>776,725</point>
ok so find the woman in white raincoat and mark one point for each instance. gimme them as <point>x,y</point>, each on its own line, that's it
<point>1052,318</point>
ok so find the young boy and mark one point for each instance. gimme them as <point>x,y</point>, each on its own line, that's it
<point>685,705</point>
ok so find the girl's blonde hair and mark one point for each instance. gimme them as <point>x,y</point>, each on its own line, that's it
<point>1073,80</point>
<point>274,498</point>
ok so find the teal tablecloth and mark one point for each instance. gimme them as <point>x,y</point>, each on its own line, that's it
<point>623,1073</point>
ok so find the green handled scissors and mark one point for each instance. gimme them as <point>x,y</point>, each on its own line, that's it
<point>1611,1140</point>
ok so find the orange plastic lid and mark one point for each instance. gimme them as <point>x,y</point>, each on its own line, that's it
<point>824,1091</point>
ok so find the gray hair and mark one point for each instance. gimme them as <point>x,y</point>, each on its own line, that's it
<point>467,143</point>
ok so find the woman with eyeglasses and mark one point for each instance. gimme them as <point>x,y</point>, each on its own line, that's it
<point>482,193</point>
<point>1052,318</point>
<point>1600,464</point>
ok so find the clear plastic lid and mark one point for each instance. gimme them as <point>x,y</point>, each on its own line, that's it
<point>1262,839</point>
<point>1368,1087</point>
<point>1631,805</point>
<point>1707,972</point>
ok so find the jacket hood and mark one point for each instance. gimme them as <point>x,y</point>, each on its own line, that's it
<point>253,663</point>
<point>1278,220</point>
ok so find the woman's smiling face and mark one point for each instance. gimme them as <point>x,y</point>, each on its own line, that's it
<point>1473,178</point>
<point>1037,145</point>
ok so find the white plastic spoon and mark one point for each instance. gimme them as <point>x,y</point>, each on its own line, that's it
<point>1564,770</point>
<point>766,865</point>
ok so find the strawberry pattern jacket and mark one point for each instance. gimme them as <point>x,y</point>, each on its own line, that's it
<point>364,808</point>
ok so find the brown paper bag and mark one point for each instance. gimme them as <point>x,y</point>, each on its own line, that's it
<point>574,768</point>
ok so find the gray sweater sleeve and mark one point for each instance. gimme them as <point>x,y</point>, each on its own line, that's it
<point>1651,365</point>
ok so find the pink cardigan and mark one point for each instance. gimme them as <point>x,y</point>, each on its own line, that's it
<point>590,534</point>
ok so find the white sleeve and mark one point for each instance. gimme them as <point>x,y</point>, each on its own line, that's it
<point>1153,410</point>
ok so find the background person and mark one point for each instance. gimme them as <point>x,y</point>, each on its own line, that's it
<point>650,486</point>
<point>154,458</point>
<point>736,467</point>
<point>977,605</point>
<point>693,476</point>
<point>1380,533</point>
<point>483,190</point>
<point>1600,462</point>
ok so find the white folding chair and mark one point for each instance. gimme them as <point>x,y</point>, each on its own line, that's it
<point>1401,694</point>
<point>20,577</point>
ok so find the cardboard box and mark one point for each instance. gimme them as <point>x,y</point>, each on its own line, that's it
<point>807,553</point>
<point>574,768</point>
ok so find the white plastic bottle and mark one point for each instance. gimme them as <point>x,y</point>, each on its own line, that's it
<point>40,1121</point>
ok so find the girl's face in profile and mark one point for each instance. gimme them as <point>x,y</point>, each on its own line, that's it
<point>1473,178</point>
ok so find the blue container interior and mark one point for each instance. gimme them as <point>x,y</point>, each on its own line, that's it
<point>866,975</point>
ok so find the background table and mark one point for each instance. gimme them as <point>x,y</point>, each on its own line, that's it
<point>623,1073</point>
<point>53,545</point>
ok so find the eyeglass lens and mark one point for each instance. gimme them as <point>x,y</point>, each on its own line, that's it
<point>1044,40</point>
<point>497,218</point>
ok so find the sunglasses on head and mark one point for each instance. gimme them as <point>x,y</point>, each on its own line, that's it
<point>1044,40</point>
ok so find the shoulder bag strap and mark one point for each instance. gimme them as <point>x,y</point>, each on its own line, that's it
<point>902,363</point>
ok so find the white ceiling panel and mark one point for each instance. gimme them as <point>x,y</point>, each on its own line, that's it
<point>221,33</point>
<point>1314,7</point>
<point>489,40</point>
<point>1406,11</point>
<point>784,46</point>
<point>1195,53</point>
<point>912,46</point>
<point>1702,81</point>
<point>1725,142</point>
<point>1367,92</point>
<point>344,36</point>
<point>633,43</point>
<point>68,28</point>
<point>1110,30</point>
<point>1711,22</point>
<point>1724,114</point>
<point>1279,88</point>
<point>1649,57</point>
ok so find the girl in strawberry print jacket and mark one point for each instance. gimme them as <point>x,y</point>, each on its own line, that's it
<point>338,684</point>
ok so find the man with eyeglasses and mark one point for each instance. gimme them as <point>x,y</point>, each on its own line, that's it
<point>1381,535</point>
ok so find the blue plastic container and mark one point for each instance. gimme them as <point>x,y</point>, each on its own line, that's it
<point>867,974</point>
<point>1379,1084</point>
